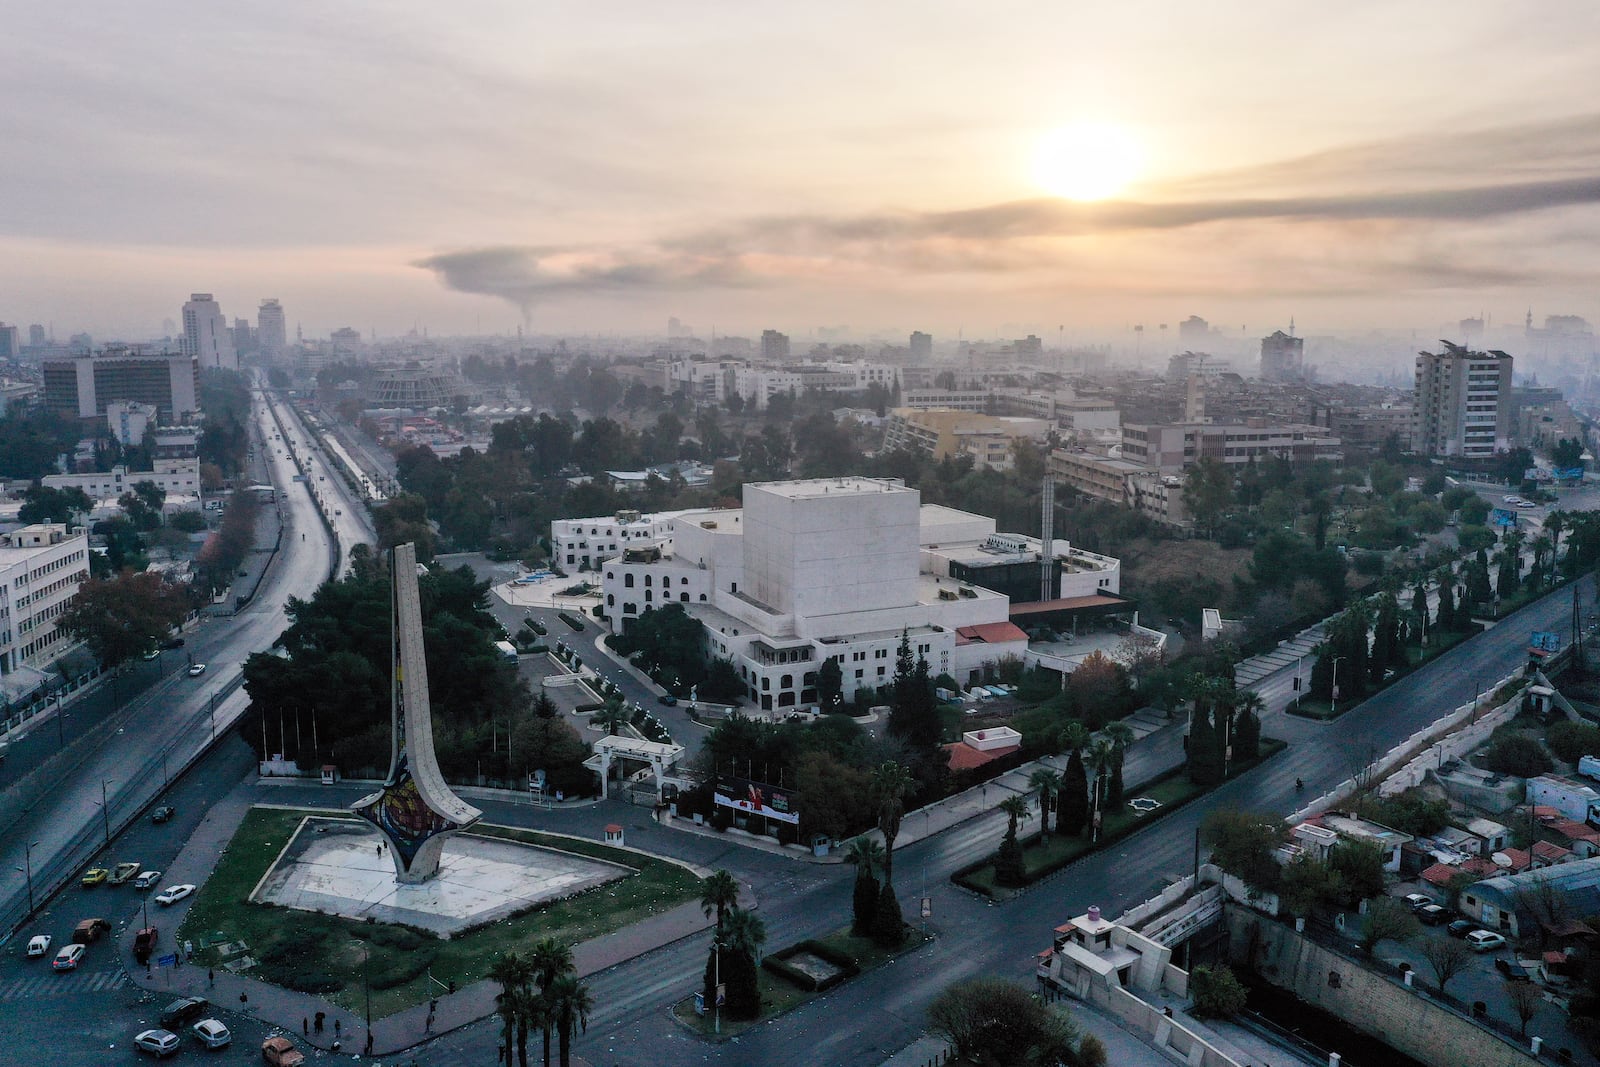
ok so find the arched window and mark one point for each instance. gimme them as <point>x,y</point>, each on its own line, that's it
<point>702,596</point>
<point>611,600</point>
<point>684,597</point>
<point>627,580</point>
<point>647,581</point>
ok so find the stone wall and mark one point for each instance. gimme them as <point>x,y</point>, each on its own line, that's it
<point>1375,1003</point>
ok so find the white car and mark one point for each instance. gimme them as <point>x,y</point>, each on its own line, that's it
<point>159,1043</point>
<point>174,894</point>
<point>1510,499</point>
<point>39,945</point>
<point>196,669</point>
<point>1485,941</point>
<point>211,1033</point>
<point>146,879</point>
<point>1526,504</point>
<point>67,959</point>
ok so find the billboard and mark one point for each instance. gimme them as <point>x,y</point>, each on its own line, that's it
<point>1502,517</point>
<point>756,798</point>
<point>1570,474</point>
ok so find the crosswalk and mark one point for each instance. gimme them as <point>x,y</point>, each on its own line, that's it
<point>51,984</point>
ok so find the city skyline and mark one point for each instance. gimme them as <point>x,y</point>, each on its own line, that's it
<point>785,168</point>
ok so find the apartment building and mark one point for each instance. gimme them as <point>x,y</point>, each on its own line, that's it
<point>947,434</point>
<point>41,568</point>
<point>1461,404</point>
<point>82,386</point>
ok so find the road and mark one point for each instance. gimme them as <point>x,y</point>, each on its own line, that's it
<point>883,1011</point>
<point>158,732</point>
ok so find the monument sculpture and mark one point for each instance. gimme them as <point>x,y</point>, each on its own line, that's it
<point>416,811</point>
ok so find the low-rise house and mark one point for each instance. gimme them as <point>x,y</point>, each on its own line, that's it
<point>1548,854</point>
<point>1492,836</point>
<point>1386,838</point>
<point>1549,898</point>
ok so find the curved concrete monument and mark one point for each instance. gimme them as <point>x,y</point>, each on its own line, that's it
<point>415,810</point>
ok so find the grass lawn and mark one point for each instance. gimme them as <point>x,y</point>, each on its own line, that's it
<point>297,946</point>
<point>1171,791</point>
<point>779,995</point>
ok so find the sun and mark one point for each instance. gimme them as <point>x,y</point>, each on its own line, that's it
<point>1086,161</point>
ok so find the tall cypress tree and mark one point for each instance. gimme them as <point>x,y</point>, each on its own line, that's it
<point>1072,802</point>
<point>1447,605</point>
<point>1205,753</point>
<point>1419,606</point>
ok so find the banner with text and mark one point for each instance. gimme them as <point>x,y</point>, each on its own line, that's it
<point>756,798</point>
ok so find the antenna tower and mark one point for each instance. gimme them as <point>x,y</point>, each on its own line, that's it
<point>1047,534</point>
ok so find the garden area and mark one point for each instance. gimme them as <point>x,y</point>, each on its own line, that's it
<point>319,953</point>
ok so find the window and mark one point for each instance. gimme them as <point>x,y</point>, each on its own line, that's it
<point>611,600</point>
<point>684,597</point>
<point>786,682</point>
<point>702,596</point>
<point>649,595</point>
<point>627,580</point>
<point>860,674</point>
<point>681,581</point>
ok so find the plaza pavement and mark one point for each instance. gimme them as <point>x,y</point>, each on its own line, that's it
<point>395,1033</point>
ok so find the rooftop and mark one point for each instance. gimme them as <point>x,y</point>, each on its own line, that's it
<point>819,487</point>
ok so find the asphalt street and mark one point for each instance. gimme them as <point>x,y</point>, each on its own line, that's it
<point>173,720</point>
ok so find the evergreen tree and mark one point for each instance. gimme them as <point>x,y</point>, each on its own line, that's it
<point>1419,607</point>
<point>1205,753</point>
<point>1322,673</point>
<point>1510,574</point>
<point>1447,605</point>
<point>888,923</point>
<point>1386,649</point>
<point>864,903</point>
<point>1072,802</point>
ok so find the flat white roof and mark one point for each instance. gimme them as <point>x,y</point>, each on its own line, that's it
<point>815,487</point>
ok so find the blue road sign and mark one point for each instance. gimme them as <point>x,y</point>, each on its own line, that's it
<point>169,960</point>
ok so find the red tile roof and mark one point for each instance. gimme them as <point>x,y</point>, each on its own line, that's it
<point>1516,859</point>
<point>963,757</point>
<point>1439,874</point>
<point>1576,830</point>
<point>1549,850</point>
<point>990,633</point>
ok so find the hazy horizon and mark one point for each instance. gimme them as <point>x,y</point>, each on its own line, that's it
<point>578,171</point>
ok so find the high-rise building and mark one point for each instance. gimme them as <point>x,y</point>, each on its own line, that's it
<point>81,386</point>
<point>271,335</point>
<point>206,336</point>
<point>10,342</point>
<point>1462,404</point>
<point>774,346</point>
<point>1282,357</point>
<point>36,336</point>
<point>921,347</point>
<point>41,569</point>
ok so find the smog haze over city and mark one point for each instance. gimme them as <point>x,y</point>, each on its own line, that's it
<point>996,169</point>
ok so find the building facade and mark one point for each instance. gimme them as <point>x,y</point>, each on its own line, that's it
<point>1282,357</point>
<point>1462,403</point>
<point>947,434</point>
<point>206,335</point>
<point>272,335</point>
<point>82,386</point>
<point>808,571</point>
<point>41,569</point>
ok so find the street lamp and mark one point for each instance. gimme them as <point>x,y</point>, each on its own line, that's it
<point>27,858</point>
<point>1333,690</point>
<point>366,989</point>
<point>105,808</point>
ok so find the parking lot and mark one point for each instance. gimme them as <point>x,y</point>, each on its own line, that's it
<point>1481,980</point>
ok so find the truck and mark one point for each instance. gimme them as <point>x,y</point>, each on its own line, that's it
<point>1574,800</point>
<point>1589,767</point>
<point>507,650</point>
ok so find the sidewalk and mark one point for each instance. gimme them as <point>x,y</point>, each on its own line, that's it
<point>347,1030</point>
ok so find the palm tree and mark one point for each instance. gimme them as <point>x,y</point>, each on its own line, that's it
<point>1045,782</point>
<point>1074,737</point>
<point>740,946</point>
<point>548,961</point>
<point>718,893</point>
<point>570,1004</point>
<point>746,933</point>
<point>890,784</point>
<point>867,854</point>
<point>1015,808</point>
<point>513,972</point>
<point>614,715</point>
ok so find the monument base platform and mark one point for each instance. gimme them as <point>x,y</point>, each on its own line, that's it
<point>334,866</point>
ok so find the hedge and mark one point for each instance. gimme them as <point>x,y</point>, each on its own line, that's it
<point>778,963</point>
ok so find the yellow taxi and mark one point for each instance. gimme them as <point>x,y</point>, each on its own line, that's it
<point>95,876</point>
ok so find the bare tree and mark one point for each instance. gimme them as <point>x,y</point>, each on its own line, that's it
<point>1524,998</point>
<point>1447,956</point>
<point>1387,919</point>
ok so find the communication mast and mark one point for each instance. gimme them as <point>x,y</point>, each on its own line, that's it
<point>1047,528</point>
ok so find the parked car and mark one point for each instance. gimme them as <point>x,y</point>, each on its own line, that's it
<point>1513,971</point>
<point>280,1052</point>
<point>172,642</point>
<point>39,945</point>
<point>212,1033</point>
<point>667,699</point>
<point>1485,941</point>
<point>89,930</point>
<point>67,959</point>
<point>181,1012</point>
<point>173,894</point>
<point>1461,928</point>
<point>1417,901</point>
<point>144,943</point>
<point>1432,915</point>
<point>163,813</point>
<point>146,879</point>
<point>95,876</point>
<point>159,1043</point>
<point>122,872</point>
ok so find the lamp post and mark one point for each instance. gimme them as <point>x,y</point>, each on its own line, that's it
<point>1333,689</point>
<point>105,808</point>
<point>27,858</point>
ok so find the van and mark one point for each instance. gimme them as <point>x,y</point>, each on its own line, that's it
<point>180,1012</point>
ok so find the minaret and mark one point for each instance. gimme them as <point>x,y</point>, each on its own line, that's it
<point>416,811</point>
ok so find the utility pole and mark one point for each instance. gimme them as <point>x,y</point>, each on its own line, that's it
<point>105,809</point>
<point>27,858</point>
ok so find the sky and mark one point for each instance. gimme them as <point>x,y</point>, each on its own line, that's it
<point>581,168</point>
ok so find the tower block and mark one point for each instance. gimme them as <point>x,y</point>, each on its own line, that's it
<point>416,811</point>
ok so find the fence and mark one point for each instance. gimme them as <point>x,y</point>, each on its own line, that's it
<point>41,703</point>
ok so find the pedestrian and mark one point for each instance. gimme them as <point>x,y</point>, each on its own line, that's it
<point>369,1042</point>
<point>428,1026</point>
<point>305,1026</point>
<point>338,1028</point>
<point>378,850</point>
<point>211,977</point>
<point>317,1021</point>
